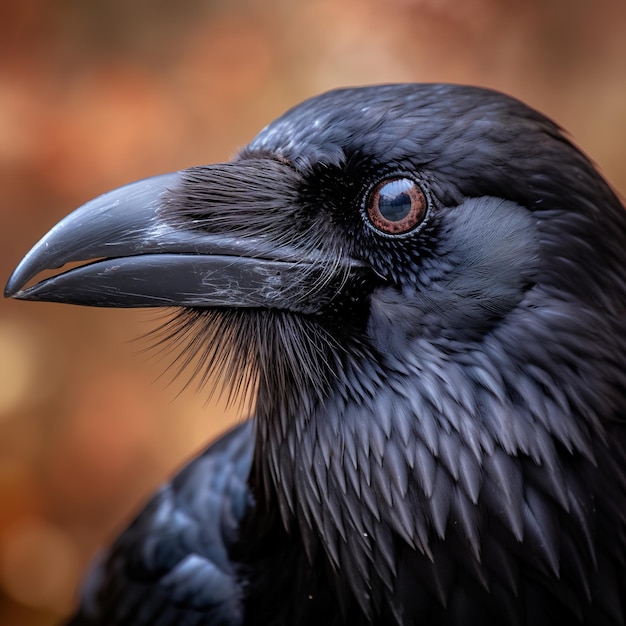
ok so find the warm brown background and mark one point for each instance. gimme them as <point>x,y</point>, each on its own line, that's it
<point>96,94</point>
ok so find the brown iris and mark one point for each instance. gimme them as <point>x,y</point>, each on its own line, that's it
<point>396,206</point>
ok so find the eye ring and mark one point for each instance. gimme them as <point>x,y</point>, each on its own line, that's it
<point>396,205</point>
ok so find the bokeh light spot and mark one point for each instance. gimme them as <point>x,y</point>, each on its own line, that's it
<point>38,565</point>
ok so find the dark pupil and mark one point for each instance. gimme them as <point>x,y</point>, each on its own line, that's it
<point>394,203</point>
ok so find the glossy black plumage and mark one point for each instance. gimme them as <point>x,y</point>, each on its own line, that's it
<point>439,432</point>
<point>176,552</point>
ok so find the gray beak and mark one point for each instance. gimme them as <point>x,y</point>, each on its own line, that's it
<point>134,255</point>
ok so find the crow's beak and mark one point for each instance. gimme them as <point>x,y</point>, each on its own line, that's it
<point>137,252</point>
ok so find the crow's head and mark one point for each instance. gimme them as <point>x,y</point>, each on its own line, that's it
<point>437,207</point>
<point>426,286</point>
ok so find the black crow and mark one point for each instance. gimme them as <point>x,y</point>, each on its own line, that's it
<point>424,288</point>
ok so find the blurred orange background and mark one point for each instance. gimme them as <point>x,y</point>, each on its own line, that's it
<point>96,94</point>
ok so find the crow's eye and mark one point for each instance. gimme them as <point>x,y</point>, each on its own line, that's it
<point>396,206</point>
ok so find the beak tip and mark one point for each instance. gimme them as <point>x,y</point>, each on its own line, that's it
<point>20,276</point>
<point>12,289</point>
<point>136,203</point>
